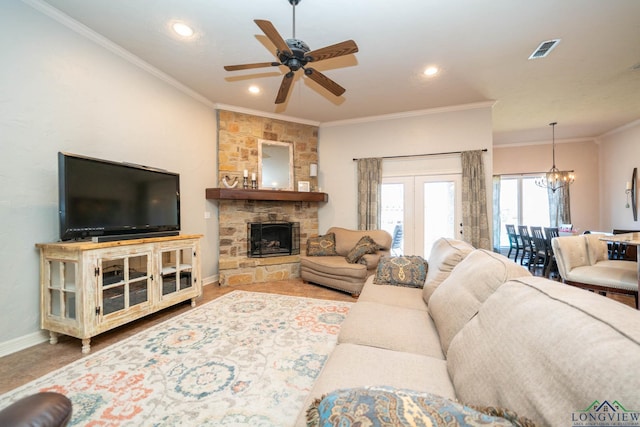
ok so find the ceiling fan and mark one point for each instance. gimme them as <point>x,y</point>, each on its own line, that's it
<point>296,54</point>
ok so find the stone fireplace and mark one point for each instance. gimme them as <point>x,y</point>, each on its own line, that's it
<point>238,135</point>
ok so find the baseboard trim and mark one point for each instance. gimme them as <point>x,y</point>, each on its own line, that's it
<point>211,280</point>
<point>20,343</point>
<point>29,340</point>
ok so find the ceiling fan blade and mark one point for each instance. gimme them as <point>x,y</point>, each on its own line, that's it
<point>325,81</point>
<point>272,34</point>
<point>339,49</point>
<point>284,87</point>
<point>249,66</point>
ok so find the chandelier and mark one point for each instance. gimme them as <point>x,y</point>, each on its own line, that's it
<point>555,178</point>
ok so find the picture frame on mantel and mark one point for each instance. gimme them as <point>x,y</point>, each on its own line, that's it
<point>304,186</point>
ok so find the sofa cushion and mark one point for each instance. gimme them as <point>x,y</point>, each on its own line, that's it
<point>596,249</point>
<point>392,295</point>
<point>546,351</point>
<point>618,263</point>
<point>322,245</point>
<point>383,406</point>
<point>408,271</point>
<point>335,266</point>
<point>366,245</point>
<point>351,365</point>
<point>460,296</point>
<point>618,278</point>
<point>347,239</point>
<point>391,327</point>
<point>445,255</point>
<point>570,252</point>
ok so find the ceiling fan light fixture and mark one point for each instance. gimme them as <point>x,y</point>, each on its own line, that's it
<point>295,54</point>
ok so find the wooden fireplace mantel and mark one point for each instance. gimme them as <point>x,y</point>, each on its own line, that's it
<point>273,195</point>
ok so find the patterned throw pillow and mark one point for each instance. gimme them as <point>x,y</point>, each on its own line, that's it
<point>322,245</point>
<point>409,271</point>
<point>385,406</point>
<point>366,245</point>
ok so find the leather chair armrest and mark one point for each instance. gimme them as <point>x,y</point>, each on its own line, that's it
<point>45,409</point>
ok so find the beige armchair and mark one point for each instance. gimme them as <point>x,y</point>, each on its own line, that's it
<point>583,262</point>
<point>334,271</point>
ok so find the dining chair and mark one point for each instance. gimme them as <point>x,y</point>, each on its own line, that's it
<point>527,244</point>
<point>540,253</point>
<point>552,266</point>
<point>514,241</point>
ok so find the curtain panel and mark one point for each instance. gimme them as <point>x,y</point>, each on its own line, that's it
<point>559,206</point>
<point>369,193</point>
<point>475,221</point>
<point>497,222</point>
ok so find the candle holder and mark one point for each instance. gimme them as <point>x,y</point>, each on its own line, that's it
<point>245,182</point>
<point>254,184</point>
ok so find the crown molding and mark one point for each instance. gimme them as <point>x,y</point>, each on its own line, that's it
<point>620,129</point>
<point>274,116</point>
<point>546,142</point>
<point>414,113</point>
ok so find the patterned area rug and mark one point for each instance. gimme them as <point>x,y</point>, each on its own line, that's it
<point>243,359</point>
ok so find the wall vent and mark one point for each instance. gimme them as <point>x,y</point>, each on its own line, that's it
<point>544,49</point>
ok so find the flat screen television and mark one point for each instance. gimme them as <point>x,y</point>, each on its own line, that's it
<point>106,200</point>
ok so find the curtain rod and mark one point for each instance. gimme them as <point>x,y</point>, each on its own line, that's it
<point>423,155</point>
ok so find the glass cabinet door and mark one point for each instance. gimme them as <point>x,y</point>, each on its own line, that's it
<point>125,282</point>
<point>61,288</point>
<point>175,270</point>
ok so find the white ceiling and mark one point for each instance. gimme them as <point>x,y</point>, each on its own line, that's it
<point>587,84</point>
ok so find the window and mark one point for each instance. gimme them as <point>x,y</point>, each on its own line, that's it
<point>522,202</point>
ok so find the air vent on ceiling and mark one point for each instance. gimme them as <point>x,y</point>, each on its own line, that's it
<point>544,49</point>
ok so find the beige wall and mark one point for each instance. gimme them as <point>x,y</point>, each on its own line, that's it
<point>581,157</point>
<point>434,131</point>
<point>619,154</point>
<point>62,92</point>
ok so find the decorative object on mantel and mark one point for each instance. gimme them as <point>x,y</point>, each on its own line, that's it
<point>226,181</point>
<point>245,179</point>
<point>555,178</point>
<point>303,186</point>
<point>254,183</point>
<point>631,189</point>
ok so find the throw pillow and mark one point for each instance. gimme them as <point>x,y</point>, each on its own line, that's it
<point>322,245</point>
<point>409,271</point>
<point>366,245</point>
<point>384,406</point>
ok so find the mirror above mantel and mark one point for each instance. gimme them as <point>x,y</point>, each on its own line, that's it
<point>275,165</point>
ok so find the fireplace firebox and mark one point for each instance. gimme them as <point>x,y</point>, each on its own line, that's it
<point>275,238</point>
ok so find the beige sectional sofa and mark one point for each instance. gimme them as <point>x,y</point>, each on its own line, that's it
<point>334,271</point>
<point>484,332</point>
<point>583,261</point>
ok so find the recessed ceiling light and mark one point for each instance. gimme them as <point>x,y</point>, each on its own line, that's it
<point>254,89</point>
<point>182,29</point>
<point>431,71</point>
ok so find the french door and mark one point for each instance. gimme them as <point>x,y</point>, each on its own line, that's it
<point>424,208</point>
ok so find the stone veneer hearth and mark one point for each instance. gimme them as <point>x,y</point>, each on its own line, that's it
<point>238,136</point>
